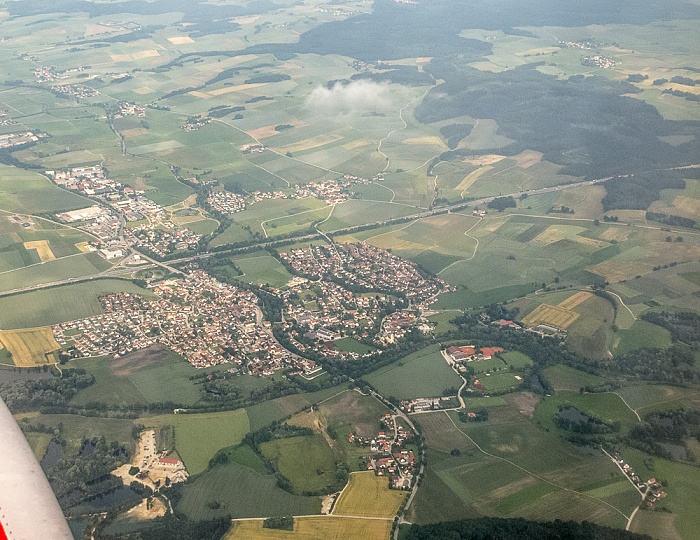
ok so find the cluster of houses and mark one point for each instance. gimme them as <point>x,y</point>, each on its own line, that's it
<point>226,202</point>
<point>200,318</point>
<point>164,239</point>
<point>585,45</point>
<point>6,120</point>
<point>193,123</point>
<point>74,90</point>
<point>45,74</point>
<point>253,149</point>
<point>9,140</point>
<point>365,266</point>
<point>469,353</point>
<point>127,108</point>
<point>395,326</point>
<point>333,313</point>
<point>426,404</point>
<point>599,60</point>
<point>388,457</point>
<point>87,180</point>
<point>651,487</point>
<point>158,234</point>
<point>330,191</point>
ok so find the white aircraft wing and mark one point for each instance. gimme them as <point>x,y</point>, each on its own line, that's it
<point>28,507</point>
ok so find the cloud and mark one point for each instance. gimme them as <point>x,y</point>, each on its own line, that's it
<point>356,96</point>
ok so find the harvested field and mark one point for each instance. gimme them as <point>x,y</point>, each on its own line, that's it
<point>180,40</point>
<point>313,142</point>
<point>425,140</point>
<point>528,158</point>
<point>29,347</point>
<point>473,177</point>
<point>269,131</point>
<point>552,316</point>
<point>313,528</point>
<point>42,249</point>
<point>486,159</point>
<point>573,301</point>
<point>368,495</point>
<point>229,89</point>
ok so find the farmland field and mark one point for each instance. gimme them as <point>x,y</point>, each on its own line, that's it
<point>424,373</point>
<point>60,304</point>
<point>608,407</point>
<point>552,316</point>
<point>563,377</point>
<point>306,461</point>
<point>241,492</point>
<point>151,375</point>
<point>313,528</point>
<point>262,268</point>
<point>199,436</point>
<point>30,347</point>
<point>641,335</point>
<point>368,495</point>
<point>470,483</point>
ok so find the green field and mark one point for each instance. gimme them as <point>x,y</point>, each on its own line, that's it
<point>425,373</point>
<point>241,492</point>
<point>524,475</point>
<point>75,429</point>
<point>60,304</point>
<point>608,407</point>
<point>497,382</point>
<point>682,482</point>
<point>199,436</point>
<point>516,359</point>
<point>82,265</point>
<point>261,267</point>
<point>641,335</point>
<point>563,377</point>
<point>149,376</point>
<point>307,462</point>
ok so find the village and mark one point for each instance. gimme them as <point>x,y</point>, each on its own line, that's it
<point>389,457</point>
<point>152,231</point>
<point>366,268</point>
<point>205,321</point>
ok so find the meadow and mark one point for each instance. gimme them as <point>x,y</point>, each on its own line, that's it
<point>199,436</point>
<point>261,267</point>
<point>60,304</point>
<point>147,376</point>
<point>563,377</point>
<point>241,492</point>
<point>518,470</point>
<point>307,462</point>
<point>425,373</point>
<point>608,407</point>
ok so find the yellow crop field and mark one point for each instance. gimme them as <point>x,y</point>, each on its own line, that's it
<point>573,301</point>
<point>437,141</point>
<point>229,89</point>
<point>313,528</point>
<point>552,316</point>
<point>313,142</point>
<point>29,347</point>
<point>368,495</point>
<point>181,40</point>
<point>42,249</point>
<point>486,159</point>
<point>473,177</point>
